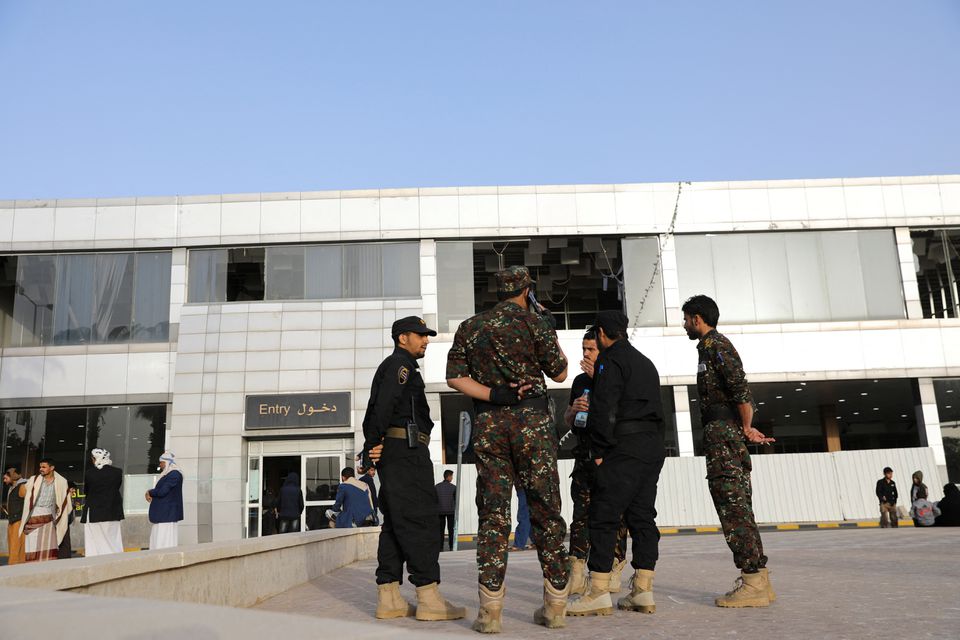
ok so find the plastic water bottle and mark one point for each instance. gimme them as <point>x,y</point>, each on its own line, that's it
<point>580,420</point>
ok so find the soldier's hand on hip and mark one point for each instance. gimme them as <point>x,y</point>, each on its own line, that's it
<point>756,437</point>
<point>505,394</point>
<point>375,453</point>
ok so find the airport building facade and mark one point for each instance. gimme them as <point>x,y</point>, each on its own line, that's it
<point>242,332</point>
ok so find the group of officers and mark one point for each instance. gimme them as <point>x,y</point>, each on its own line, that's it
<point>499,358</point>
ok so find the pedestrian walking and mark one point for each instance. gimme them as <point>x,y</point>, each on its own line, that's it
<point>47,509</point>
<point>354,505</point>
<point>726,412</point>
<point>447,504</point>
<point>13,509</point>
<point>498,359</point>
<point>290,506</point>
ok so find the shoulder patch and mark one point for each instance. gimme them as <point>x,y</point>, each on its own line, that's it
<point>403,374</point>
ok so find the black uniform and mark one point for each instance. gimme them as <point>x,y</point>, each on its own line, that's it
<point>407,496</point>
<point>626,430</point>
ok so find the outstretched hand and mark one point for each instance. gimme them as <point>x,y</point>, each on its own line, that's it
<point>754,436</point>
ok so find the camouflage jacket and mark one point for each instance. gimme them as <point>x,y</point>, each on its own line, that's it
<point>503,345</point>
<point>720,376</point>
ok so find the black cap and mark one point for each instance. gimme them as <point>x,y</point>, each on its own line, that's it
<point>612,322</point>
<point>412,324</point>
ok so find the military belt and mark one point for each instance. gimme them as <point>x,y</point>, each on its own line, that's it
<point>536,402</point>
<point>401,433</point>
<point>717,412</point>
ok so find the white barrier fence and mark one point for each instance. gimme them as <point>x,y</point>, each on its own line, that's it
<point>800,487</point>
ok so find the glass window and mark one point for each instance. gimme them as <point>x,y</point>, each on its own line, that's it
<point>8,292</point>
<point>323,478</point>
<point>324,267</point>
<point>245,269</point>
<point>807,278</point>
<point>74,305</point>
<point>643,280</point>
<point>113,297</point>
<point>207,281</point>
<point>285,279</point>
<point>64,440</point>
<point>794,277</point>
<point>937,265</point>
<point>362,271</point>
<point>107,429</point>
<point>867,414</point>
<point>33,303</point>
<point>768,268</point>
<point>133,434</point>
<point>454,268</point>
<point>401,270</point>
<point>947,392</point>
<point>146,436</point>
<point>151,298</point>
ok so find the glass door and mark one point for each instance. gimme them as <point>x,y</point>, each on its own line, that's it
<point>320,477</point>
<point>253,497</point>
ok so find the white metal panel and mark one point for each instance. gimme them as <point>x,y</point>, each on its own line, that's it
<point>858,472</point>
<point>801,487</point>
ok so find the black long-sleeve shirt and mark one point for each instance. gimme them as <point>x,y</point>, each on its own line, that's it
<point>626,388</point>
<point>396,394</point>
<point>887,491</point>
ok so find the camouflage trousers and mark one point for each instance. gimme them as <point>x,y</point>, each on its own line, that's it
<point>518,447</point>
<point>581,482</point>
<point>728,476</point>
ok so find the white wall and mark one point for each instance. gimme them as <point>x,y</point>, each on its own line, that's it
<point>808,487</point>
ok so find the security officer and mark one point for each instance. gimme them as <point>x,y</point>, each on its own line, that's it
<point>726,411</point>
<point>583,476</point>
<point>498,358</point>
<point>625,424</point>
<point>396,431</point>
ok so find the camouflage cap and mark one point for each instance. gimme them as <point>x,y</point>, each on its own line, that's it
<point>513,279</point>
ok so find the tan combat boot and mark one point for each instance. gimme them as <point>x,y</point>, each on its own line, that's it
<point>432,606</point>
<point>616,575</point>
<point>390,604</point>
<point>578,576</point>
<point>490,614</point>
<point>554,607</point>
<point>750,590</point>
<point>770,594</point>
<point>641,593</point>
<point>595,602</point>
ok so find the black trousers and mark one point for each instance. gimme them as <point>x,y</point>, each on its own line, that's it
<point>446,522</point>
<point>289,525</point>
<point>408,501</point>
<point>626,487</point>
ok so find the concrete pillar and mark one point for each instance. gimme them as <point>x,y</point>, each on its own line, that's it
<point>831,430</point>
<point>928,424</point>
<point>681,403</point>
<point>908,273</point>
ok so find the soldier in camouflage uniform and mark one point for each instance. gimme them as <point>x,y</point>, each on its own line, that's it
<point>726,411</point>
<point>498,358</point>
<point>582,479</point>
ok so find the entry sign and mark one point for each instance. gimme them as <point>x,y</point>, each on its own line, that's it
<point>298,410</point>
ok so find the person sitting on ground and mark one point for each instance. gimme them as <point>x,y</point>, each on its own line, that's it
<point>354,506</point>
<point>949,507</point>
<point>923,512</point>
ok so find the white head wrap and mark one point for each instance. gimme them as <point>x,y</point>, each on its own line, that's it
<point>101,458</point>
<point>171,461</point>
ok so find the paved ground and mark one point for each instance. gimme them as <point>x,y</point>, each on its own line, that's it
<point>830,584</point>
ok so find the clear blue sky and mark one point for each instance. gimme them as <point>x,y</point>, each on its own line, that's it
<point>101,99</point>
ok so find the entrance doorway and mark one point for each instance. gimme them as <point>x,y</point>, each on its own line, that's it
<point>319,475</point>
